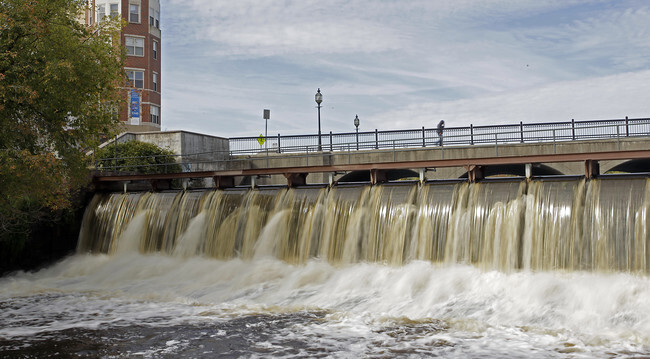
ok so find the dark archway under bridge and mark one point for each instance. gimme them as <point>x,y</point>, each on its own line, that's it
<point>391,175</point>
<point>518,170</point>
<point>632,166</point>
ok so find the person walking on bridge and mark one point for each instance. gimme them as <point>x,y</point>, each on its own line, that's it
<point>441,126</point>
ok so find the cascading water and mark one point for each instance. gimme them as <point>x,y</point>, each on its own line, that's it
<point>507,226</point>
<point>550,269</point>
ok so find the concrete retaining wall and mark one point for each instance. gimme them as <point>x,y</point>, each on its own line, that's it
<point>196,151</point>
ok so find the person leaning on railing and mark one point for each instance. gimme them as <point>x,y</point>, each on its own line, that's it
<point>441,126</point>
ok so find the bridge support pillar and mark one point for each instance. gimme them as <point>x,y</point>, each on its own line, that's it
<point>474,173</point>
<point>529,171</point>
<point>592,169</point>
<point>221,182</point>
<point>421,172</point>
<point>377,176</point>
<point>296,179</point>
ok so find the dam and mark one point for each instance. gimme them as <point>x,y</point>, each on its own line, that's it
<point>506,225</point>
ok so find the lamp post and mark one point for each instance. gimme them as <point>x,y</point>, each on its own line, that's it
<point>356,124</point>
<point>319,99</point>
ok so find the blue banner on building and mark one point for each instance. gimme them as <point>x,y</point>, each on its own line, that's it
<point>135,104</point>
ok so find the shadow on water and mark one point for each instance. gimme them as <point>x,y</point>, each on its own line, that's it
<point>241,336</point>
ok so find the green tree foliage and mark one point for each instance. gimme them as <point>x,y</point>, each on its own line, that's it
<point>59,91</point>
<point>136,157</point>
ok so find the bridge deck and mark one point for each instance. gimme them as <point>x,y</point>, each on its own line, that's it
<point>296,175</point>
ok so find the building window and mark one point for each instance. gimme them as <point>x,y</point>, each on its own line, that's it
<point>154,114</point>
<point>155,50</point>
<point>101,12</point>
<point>154,18</point>
<point>134,13</point>
<point>134,46</point>
<point>114,10</point>
<point>155,81</point>
<point>136,78</point>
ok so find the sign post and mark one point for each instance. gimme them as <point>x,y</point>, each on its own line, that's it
<point>267,116</point>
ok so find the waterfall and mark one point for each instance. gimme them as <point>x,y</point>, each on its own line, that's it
<point>594,225</point>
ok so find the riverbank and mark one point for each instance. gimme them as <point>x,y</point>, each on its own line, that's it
<point>47,242</point>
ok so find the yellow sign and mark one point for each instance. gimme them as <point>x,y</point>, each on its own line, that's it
<point>261,140</point>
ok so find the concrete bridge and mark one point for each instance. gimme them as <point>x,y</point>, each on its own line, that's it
<point>588,158</point>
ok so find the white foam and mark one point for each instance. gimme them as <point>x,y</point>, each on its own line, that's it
<point>586,309</point>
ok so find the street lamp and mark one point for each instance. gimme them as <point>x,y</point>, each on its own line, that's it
<point>356,124</point>
<point>319,99</point>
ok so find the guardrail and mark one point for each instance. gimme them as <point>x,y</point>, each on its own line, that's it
<point>307,145</point>
<point>452,136</point>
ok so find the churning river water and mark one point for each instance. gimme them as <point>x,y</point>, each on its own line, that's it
<point>453,271</point>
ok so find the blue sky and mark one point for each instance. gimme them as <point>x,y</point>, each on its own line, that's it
<point>400,64</point>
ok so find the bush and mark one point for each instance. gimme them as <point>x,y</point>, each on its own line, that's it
<point>136,157</point>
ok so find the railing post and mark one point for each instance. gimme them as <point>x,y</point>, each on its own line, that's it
<point>423,139</point>
<point>115,145</point>
<point>573,129</point>
<point>331,146</point>
<point>627,127</point>
<point>376,139</point>
<point>521,130</point>
<point>471,134</point>
<point>394,150</point>
<point>357,138</point>
<point>279,151</point>
<point>307,155</point>
<point>496,144</point>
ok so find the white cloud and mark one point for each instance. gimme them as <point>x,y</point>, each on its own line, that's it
<point>616,40</point>
<point>265,28</point>
<point>614,96</point>
<point>399,63</point>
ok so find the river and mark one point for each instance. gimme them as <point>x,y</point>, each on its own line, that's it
<point>555,269</point>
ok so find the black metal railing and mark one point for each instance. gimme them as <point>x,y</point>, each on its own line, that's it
<point>452,136</point>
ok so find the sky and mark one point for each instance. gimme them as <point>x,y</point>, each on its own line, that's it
<point>400,64</point>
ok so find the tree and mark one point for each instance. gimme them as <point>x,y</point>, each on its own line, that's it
<point>59,93</point>
<point>137,157</point>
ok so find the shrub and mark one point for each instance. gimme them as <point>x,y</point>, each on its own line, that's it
<point>136,157</point>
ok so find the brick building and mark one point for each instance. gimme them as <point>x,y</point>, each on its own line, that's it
<point>141,37</point>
